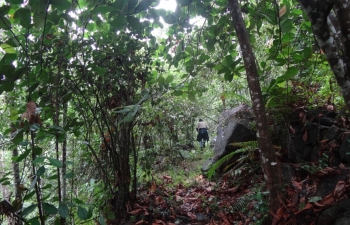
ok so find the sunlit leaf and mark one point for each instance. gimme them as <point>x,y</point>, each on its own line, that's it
<point>55,162</point>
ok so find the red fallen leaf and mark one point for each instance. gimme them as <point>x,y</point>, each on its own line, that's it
<point>327,200</point>
<point>159,200</point>
<point>278,216</point>
<point>135,212</point>
<point>141,222</point>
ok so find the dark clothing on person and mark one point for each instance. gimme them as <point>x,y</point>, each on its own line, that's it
<point>202,135</point>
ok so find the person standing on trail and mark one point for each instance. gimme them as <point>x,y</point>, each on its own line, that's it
<point>202,136</point>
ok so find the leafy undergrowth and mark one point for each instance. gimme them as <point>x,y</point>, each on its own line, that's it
<point>231,199</point>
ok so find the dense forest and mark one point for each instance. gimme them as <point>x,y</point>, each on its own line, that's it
<point>100,100</point>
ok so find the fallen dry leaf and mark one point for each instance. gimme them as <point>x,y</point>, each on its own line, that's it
<point>135,212</point>
<point>339,189</point>
<point>141,222</point>
<point>159,200</point>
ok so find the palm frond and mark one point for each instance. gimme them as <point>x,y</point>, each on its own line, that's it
<point>245,147</point>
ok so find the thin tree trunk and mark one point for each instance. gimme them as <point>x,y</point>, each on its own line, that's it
<point>64,156</point>
<point>17,182</point>
<point>270,165</point>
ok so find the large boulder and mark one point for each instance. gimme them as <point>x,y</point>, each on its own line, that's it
<point>235,125</point>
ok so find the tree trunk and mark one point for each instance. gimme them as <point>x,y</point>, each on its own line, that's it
<point>270,165</point>
<point>332,32</point>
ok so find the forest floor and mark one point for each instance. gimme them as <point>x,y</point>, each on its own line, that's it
<point>180,194</point>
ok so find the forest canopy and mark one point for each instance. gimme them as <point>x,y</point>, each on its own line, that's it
<point>94,91</point>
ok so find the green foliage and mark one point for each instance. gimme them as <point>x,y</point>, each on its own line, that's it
<point>242,147</point>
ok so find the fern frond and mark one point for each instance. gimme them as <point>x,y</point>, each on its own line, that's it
<point>240,204</point>
<point>246,148</point>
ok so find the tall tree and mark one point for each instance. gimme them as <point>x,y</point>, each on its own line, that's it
<point>269,162</point>
<point>330,21</point>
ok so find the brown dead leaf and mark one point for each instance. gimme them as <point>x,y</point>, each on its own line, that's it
<point>232,190</point>
<point>178,198</point>
<point>282,11</point>
<point>158,222</point>
<point>305,136</point>
<point>135,212</point>
<point>327,200</point>
<point>153,187</point>
<point>342,166</point>
<point>297,185</point>
<point>278,216</point>
<point>141,222</point>
<point>339,189</point>
<point>159,200</point>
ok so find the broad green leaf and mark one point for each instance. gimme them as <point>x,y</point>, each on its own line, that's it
<point>8,59</point>
<point>15,2</point>
<point>101,220</point>
<point>67,97</point>
<point>63,210</point>
<point>29,195</point>
<point>38,160</point>
<point>5,23</point>
<point>19,137</point>
<point>4,10</point>
<point>34,221</point>
<point>170,19</point>
<point>41,171</point>
<point>60,4</point>
<point>134,23</point>
<point>23,14</point>
<point>178,93</point>
<point>82,213</point>
<point>49,209</point>
<point>119,22</point>
<point>227,61</point>
<point>228,76</point>
<point>26,211</point>
<point>291,72</point>
<point>38,150</point>
<point>55,162</point>
<point>90,27</point>
<point>39,20</point>
<point>101,71</point>
<point>69,175</point>
<point>47,186</point>
<point>191,96</point>
<point>24,155</point>
<point>131,5</point>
